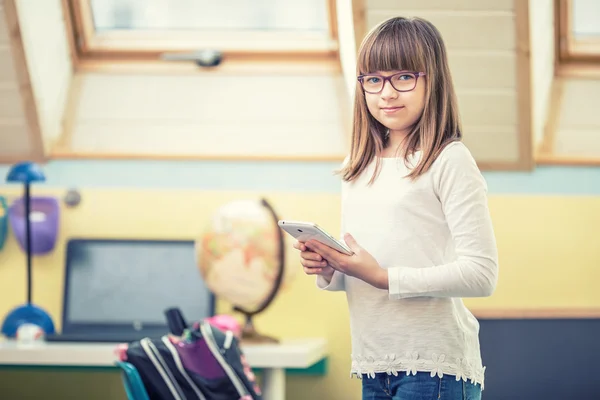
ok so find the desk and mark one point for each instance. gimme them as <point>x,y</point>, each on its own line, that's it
<point>274,359</point>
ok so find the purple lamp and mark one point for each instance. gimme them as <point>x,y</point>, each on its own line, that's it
<point>28,313</point>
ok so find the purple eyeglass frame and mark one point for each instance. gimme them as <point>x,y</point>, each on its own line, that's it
<point>389,79</point>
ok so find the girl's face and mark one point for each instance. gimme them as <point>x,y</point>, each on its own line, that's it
<point>397,111</point>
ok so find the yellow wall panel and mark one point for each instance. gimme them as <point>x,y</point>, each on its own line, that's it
<point>547,245</point>
<point>548,259</point>
<point>548,252</point>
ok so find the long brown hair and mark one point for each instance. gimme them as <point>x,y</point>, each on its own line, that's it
<point>409,44</point>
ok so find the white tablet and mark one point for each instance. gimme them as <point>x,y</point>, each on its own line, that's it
<point>305,231</point>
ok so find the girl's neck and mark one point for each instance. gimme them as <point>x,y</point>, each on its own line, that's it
<point>394,141</point>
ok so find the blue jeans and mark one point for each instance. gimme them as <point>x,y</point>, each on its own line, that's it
<point>418,387</point>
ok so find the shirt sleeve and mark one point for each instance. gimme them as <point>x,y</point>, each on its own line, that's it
<point>336,284</point>
<point>462,192</point>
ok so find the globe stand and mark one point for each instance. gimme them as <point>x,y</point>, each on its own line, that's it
<point>249,333</point>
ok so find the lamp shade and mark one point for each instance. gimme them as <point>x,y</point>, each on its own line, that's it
<point>25,172</point>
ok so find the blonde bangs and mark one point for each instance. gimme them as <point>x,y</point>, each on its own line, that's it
<point>382,51</point>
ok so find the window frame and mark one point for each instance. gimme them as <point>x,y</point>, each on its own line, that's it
<point>148,46</point>
<point>571,63</point>
<point>568,49</point>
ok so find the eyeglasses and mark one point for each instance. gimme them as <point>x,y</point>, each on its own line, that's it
<point>401,82</point>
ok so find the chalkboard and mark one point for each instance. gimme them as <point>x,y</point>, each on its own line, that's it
<point>549,359</point>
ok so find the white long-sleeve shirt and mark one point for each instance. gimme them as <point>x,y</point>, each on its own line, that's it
<point>435,237</point>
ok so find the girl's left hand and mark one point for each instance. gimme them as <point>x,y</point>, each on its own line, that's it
<point>361,264</point>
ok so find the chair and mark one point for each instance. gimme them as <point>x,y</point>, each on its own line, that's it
<point>134,387</point>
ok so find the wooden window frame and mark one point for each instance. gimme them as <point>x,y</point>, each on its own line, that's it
<point>114,50</point>
<point>572,60</point>
<point>568,49</point>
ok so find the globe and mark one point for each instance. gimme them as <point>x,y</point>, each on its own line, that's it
<point>240,256</point>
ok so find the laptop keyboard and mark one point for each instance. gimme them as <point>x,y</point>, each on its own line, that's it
<point>96,337</point>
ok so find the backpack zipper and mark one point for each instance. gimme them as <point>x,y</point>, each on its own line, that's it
<point>228,340</point>
<point>158,363</point>
<point>180,367</point>
<point>209,338</point>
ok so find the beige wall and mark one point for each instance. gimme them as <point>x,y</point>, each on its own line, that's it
<point>44,39</point>
<point>346,38</point>
<point>480,36</point>
<point>35,75</point>
<point>14,133</point>
<point>541,33</point>
<point>577,124</point>
<point>206,114</point>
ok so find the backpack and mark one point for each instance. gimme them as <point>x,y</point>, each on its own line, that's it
<point>203,362</point>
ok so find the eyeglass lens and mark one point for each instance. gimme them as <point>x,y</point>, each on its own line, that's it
<point>401,82</point>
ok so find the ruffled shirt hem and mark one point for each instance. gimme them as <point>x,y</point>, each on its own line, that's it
<point>411,364</point>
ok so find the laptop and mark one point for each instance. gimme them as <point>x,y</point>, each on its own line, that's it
<point>118,290</point>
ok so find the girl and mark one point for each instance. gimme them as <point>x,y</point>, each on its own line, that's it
<point>415,204</point>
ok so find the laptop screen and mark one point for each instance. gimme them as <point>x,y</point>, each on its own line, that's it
<point>126,285</point>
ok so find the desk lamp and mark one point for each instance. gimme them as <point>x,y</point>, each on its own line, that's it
<point>26,173</point>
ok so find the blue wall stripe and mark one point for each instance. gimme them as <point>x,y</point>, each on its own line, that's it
<point>283,176</point>
<point>546,180</point>
<point>211,175</point>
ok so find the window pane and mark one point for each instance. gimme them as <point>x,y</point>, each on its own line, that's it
<point>225,15</point>
<point>586,19</point>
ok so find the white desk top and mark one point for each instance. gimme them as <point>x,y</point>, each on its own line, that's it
<point>293,353</point>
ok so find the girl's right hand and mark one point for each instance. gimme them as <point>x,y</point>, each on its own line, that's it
<point>312,262</point>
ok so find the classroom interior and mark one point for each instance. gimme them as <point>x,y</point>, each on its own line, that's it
<point>142,140</point>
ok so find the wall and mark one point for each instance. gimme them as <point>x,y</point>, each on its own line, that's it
<point>35,74</point>
<point>544,222</point>
<point>15,136</point>
<point>348,45</point>
<point>48,60</point>
<point>541,33</point>
<point>577,124</point>
<point>205,114</point>
<point>480,36</point>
